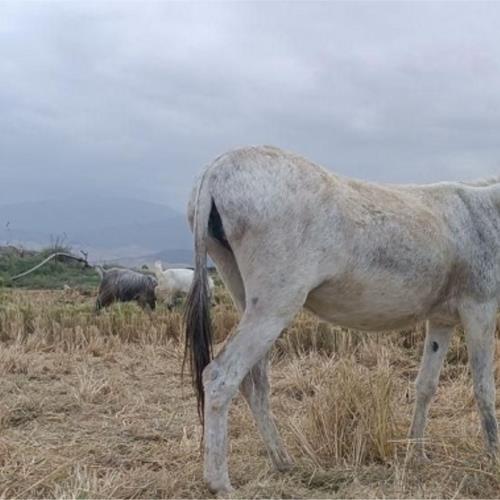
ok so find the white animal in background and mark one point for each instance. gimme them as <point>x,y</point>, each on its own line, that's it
<point>174,282</point>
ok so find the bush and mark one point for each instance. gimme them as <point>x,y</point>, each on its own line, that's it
<point>55,274</point>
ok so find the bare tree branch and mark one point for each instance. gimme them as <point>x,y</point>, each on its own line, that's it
<point>49,258</point>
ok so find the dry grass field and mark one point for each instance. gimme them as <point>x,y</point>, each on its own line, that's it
<point>94,407</point>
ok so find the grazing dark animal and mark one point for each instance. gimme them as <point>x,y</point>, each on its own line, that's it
<point>124,285</point>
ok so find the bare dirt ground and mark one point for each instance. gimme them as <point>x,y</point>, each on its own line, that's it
<point>94,407</point>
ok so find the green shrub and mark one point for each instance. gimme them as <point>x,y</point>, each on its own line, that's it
<point>55,274</point>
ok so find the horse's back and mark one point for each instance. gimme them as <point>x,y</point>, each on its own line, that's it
<point>264,191</point>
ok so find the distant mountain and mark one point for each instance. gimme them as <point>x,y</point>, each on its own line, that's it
<point>169,258</point>
<point>106,227</point>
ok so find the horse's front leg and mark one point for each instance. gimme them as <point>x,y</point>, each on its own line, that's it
<point>437,341</point>
<point>479,321</point>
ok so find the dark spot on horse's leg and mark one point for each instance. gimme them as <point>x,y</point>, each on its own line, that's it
<point>435,346</point>
<point>255,300</point>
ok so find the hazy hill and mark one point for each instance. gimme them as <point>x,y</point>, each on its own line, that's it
<point>173,257</point>
<point>107,227</point>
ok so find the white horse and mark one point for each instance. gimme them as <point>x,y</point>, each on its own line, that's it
<point>173,282</point>
<point>284,234</point>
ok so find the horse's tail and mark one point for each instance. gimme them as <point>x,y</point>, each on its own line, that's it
<point>198,328</point>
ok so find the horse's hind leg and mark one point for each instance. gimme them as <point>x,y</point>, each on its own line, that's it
<point>255,385</point>
<point>259,327</point>
<point>479,321</point>
<point>255,389</point>
<point>437,340</point>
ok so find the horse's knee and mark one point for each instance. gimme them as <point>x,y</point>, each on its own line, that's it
<point>218,387</point>
<point>425,388</point>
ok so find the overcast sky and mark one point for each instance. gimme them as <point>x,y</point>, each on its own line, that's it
<point>134,98</point>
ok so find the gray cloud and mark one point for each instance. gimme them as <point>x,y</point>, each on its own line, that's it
<point>134,98</point>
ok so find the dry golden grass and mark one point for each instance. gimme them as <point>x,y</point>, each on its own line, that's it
<point>93,407</point>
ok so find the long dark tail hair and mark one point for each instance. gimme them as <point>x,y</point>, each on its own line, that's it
<point>198,326</point>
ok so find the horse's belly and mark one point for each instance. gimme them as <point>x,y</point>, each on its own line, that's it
<point>369,306</point>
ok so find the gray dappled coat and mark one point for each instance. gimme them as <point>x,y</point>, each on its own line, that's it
<point>125,285</point>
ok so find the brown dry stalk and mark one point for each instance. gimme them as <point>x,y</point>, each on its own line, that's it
<point>103,393</point>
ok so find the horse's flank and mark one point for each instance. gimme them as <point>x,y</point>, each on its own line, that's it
<point>373,256</point>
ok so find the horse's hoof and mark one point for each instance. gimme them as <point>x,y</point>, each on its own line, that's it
<point>283,466</point>
<point>225,493</point>
<point>421,458</point>
<point>221,489</point>
<point>493,455</point>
